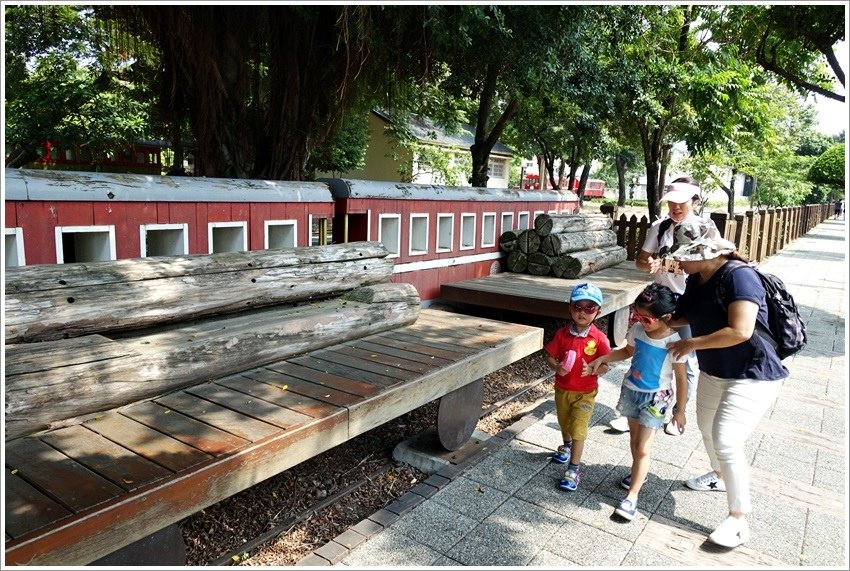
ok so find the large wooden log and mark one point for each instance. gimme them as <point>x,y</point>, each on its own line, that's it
<point>47,383</point>
<point>528,241</point>
<point>566,242</point>
<point>546,224</point>
<point>579,264</point>
<point>517,261</point>
<point>539,264</point>
<point>57,301</point>
<point>507,241</point>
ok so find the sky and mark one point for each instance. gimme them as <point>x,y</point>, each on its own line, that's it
<point>833,114</point>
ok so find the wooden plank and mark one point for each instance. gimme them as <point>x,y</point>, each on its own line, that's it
<point>79,541</point>
<point>406,351</point>
<point>26,508</point>
<point>255,408</point>
<point>187,430</point>
<point>543,295</point>
<point>331,375</point>
<point>340,366</point>
<point>104,457</point>
<point>382,359</point>
<point>66,481</point>
<point>277,393</point>
<point>153,445</point>
<point>218,416</point>
<point>691,548</point>
<point>451,351</point>
<point>317,389</point>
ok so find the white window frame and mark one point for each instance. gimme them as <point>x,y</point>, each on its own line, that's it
<point>269,224</point>
<point>523,216</point>
<point>439,235</point>
<point>18,239</point>
<point>145,228</point>
<point>211,226</point>
<point>394,247</point>
<point>468,221</point>
<point>510,225</point>
<point>488,229</point>
<point>494,165</point>
<point>536,214</point>
<point>418,236</point>
<point>60,230</point>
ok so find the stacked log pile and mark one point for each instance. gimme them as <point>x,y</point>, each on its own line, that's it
<point>563,245</point>
<point>85,338</point>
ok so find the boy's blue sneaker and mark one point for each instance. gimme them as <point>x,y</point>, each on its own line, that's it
<point>570,481</point>
<point>626,482</point>
<point>627,509</point>
<point>562,456</point>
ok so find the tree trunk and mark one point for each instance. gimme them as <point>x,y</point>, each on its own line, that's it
<point>67,300</point>
<point>566,242</point>
<point>583,263</point>
<point>546,224</point>
<point>539,264</point>
<point>528,241</point>
<point>52,381</point>
<point>517,261</point>
<point>620,165</point>
<point>508,241</point>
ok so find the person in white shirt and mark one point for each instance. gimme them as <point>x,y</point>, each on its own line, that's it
<point>682,197</point>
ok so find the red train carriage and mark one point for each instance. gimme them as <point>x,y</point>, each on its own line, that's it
<point>57,217</point>
<point>438,234</point>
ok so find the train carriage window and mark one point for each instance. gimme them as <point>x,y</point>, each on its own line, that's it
<point>13,247</point>
<point>227,237</point>
<point>553,212</point>
<point>321,231</point>
<point>281,234</point>
<point>537,213</point>
<point>389,233</point>
<point>523,221</point>
<point>488,229</point>
<point>467,231</point>
<point>84,244</point>
<point>445,232</point>
<point>418,234</point>
<point>164,239</point>
<point>507,221</point>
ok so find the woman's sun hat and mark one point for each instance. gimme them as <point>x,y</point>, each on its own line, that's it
<point>693,242</point>
<point>680,192</point>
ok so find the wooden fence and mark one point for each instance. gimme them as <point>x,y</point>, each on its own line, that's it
<point>757,234</point>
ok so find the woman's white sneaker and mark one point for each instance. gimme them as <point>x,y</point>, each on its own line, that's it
<point>708,482</point>
<point>620,424</point>
<point>731,533</point>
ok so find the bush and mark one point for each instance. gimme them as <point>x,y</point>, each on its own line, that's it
<point>828,168</point>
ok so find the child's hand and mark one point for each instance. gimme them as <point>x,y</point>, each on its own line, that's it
<point>592,368</point>
<point>678,421</point>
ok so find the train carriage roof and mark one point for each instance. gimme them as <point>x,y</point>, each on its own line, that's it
<point>351,188</point>
<point>33,184</point>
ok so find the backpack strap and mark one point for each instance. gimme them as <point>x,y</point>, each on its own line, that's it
<point>720,296</point>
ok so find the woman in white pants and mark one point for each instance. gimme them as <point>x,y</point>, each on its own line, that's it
<point>740,372</point>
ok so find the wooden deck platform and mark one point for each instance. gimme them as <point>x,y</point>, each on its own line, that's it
<point>81,492</point>
<point>549,296</point>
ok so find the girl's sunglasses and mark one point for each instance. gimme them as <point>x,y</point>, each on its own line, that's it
<point>645,319</point>
<point>587,308</point>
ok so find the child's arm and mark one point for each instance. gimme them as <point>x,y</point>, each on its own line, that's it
<point>555,365</point>
<point>618,354</point>
<point>681,375</point>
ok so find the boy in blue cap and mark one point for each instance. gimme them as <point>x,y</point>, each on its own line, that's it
<point>574,345</point>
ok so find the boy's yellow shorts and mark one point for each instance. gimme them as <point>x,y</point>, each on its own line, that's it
<point>574,411</point>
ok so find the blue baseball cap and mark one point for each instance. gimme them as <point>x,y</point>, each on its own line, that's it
<point>586,291</point>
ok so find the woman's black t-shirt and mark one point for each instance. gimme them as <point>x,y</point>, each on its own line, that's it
<point>751,359</point>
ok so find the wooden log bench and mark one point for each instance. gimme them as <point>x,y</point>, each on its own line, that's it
<point>106,484</point>
<point>549,296</point>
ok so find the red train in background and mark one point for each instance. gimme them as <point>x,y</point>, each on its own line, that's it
<point>435,234</point>
<point>594,188</point>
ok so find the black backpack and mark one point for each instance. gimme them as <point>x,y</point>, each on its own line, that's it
<point>787,333</point>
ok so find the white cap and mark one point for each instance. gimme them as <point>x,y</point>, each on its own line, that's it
<point>681,192</point>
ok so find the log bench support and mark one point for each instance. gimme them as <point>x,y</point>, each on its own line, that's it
<point>164,548</point>
<point>458,413</point>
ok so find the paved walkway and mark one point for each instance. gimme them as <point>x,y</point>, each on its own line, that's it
<point>502,506</point>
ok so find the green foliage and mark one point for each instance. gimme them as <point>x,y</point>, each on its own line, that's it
<point>829,168</point>
<point>346,151</point>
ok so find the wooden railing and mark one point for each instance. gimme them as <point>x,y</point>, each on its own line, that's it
<point>757,233</point>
